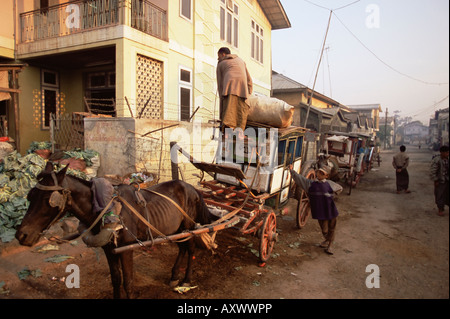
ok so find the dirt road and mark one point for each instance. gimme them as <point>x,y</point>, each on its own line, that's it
<point>398,234</point>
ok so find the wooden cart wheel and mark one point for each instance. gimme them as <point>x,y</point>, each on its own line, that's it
<point>303,207</point>
<point>268,237</point>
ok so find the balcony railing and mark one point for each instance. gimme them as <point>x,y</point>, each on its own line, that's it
<point>148,18</point>
<point>86,15</point>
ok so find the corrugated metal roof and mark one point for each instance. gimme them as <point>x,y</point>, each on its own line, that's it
<point>274,11</point>
<point>365,107</point>
<point>281,82</point>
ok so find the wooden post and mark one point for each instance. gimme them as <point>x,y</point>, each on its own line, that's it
<point>129,107</point>
<point>15,98</point>
<point>174,161</point>
<point>52,131</point>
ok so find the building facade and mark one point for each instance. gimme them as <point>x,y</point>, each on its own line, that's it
<point>439,129</point>
<point>371,111</point>
<point>415,133</point>
<point>321,115</point>
<point>149,59</point>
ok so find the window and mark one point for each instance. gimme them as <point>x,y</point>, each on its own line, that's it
<point>257,42</point>
<point>50,96</point>
<point>185,9</point>
<point>43,5</point>
<point>229,22</point>
<point>100,92</point>
<point>298,150</point>
<point>185,94</point>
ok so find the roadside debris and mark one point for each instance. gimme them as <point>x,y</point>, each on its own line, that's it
<point>58,258</point>
<point>46,248</point>
<point>4,289</point>
<point>25,272</point>
<point>183,290</point>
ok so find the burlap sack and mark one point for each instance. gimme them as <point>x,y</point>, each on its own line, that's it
<point>270,111</point>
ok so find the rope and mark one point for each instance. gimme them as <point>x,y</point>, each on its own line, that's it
<point>174,203</point>
<point>142,219</point>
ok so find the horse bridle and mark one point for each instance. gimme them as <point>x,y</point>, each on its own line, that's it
<point>56,199</point>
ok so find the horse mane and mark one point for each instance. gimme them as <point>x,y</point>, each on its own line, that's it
<point>81,180</point>
<point>45,175</point>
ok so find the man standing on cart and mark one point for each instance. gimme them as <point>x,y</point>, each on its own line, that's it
<point>234,85</point>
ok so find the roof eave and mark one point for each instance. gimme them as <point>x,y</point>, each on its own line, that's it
<point>275,13</point>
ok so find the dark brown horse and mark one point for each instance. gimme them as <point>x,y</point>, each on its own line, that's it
<point>77,197</point>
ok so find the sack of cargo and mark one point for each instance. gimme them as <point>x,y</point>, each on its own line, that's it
<point>270,111</point>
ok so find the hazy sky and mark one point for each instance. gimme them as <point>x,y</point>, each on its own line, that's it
<point>410,37</point>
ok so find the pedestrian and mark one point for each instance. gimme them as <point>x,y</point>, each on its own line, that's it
<point>400,163</point>
<point>234,85</point>
<point>321,201</point>
<point>439,174</point>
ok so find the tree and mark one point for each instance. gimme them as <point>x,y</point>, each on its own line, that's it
<point>385,134</point>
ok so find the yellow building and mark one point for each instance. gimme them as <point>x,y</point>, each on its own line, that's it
<point>154,59</point>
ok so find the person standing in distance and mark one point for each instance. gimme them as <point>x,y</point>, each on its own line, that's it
<point>439,174</point>
<point>400,162</point>
<point>234,85</point>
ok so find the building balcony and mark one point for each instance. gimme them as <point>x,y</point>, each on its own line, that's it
<point>90,15</point>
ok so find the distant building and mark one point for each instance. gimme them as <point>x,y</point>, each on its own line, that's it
<point>372,111</point>
<point>439,129</point>
<point>325,114</point>
<point>415,133</point>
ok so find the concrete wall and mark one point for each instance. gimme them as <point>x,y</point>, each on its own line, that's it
<point>124,150</point>
<point>7,30</point>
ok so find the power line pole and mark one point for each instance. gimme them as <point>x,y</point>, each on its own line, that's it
<point>317,71</point>
<point>385,128</point>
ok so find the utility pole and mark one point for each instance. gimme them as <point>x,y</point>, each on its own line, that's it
<point>385,128</point>
<point>317,71</point>
<point>395,128</point>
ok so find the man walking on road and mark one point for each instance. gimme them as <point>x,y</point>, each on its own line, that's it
<point>439,174</point>
<point>400,163</point>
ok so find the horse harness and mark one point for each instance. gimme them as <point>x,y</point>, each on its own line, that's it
<point>56,199</point>
<point>143,203</point>
<point>60,200</point>
<point>61,196</point>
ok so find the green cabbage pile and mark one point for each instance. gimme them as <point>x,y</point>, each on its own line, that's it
<point>17,176</point>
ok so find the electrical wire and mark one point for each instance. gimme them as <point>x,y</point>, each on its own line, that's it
<point>386,64</point>
<point>426,109</point>
<point>367,48</point>
<point>328,9</point>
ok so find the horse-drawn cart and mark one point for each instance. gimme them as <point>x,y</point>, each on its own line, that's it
<point>255,183</point>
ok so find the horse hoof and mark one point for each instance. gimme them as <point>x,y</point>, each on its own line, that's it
<point>186,284</point>
<point>173,283</point>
